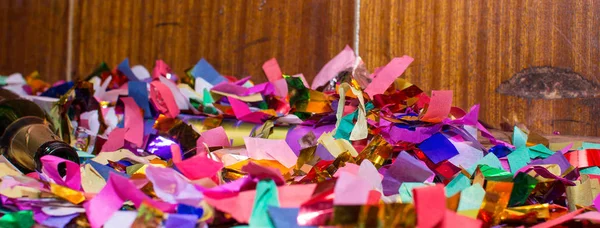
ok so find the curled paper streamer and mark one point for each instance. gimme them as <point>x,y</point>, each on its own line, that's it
<point>72,178</point>
<point>163,99</point>
<point>360,130</point>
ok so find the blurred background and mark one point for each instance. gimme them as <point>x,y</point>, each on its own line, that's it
<point>466,46</point>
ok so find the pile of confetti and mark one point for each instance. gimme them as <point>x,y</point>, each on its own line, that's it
<point>351,149</point>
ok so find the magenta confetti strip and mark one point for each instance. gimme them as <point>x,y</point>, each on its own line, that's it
<point>198,149</point>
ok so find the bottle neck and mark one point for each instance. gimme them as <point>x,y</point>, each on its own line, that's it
<point>28,139</point>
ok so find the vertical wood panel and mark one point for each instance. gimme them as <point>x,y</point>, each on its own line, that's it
<point>236,37</point>
<point>33,36</point>
<point>472,46</point>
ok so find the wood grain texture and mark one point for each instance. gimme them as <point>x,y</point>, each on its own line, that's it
<point>472,46</point>
<point>236,37</point>
<point>33,36</point>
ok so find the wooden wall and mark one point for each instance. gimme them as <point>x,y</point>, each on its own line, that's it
<point>472,46</point>
<point>466,46</point>
<point>236,37</point>
<point>33,36</point>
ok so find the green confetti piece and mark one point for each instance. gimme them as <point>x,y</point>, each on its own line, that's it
<point>540,151</point>
<point>298,94</point>
<point>19,219</point>
<point>103,67</point>
<point>263,105</point>
<point>195,103</point>
<point>495,174</point>
<point>206,97</point>
<point>524,185</point>
<point>489,159</point>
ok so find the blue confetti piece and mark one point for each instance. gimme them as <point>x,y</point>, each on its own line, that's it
<point>204,70</point>
<point>438,148</point>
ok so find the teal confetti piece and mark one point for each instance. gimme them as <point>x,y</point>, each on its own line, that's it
<point>471,198</point>
<point>595,170</point>
<point>405,191</point>
<point>540,151</point>
<point>346,125</point>
<point>84,156</point>
<point>589,145</point>
<point>206,97</point>
<point>369,106</point>
<point>459,183</point>
<point>3,80</point>
<point>519,138</point>
<point>518,159</point>
<point>266,195</point>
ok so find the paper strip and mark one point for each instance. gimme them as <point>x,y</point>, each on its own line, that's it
<point>242,112</point>
<point>123,67</point>
<point>387,75</point>
<point>439,107</point>
<point>430,205</point>
<point>134,122</point>
<point>111,198</point>
<point>272,70</point>
<point>342,61</point>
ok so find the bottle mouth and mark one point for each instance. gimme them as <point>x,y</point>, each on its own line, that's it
<point>59,149</point>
